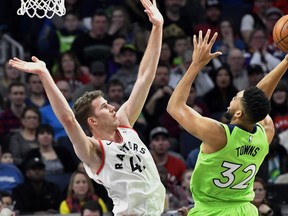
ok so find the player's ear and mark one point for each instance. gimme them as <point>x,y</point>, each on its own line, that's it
<point>238,113</point>
<point>92,121</point>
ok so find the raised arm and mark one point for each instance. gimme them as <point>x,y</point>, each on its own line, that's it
<point>270,81</point>
<point>268,85</point>
<point>186,116</point>
<point>131,109</point>
<point>61,108</point>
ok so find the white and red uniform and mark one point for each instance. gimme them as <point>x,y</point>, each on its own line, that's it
<point>130,175</point>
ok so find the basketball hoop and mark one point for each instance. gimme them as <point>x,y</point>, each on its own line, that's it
<point>42,8</point>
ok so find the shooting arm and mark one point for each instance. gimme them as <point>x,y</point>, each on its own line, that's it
<point>186,116</point>
<point>270,81</point>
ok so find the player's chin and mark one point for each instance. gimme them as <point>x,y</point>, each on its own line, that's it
<point>228,115</point>
<point>117,122</point>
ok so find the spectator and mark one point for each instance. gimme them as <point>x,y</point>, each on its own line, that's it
<point>57,159</point>
<point>159,147</point>
<point>115,92</point>
<point>68,68</point>
<point>192,158</point>
<point>178,71</point>
<point>227,40</point>
<point>185,184</point>
<point>6,157</point>
<point>196,103</point>
<point>10,176</point>
<point>54,41</point>
<point>275,163</point>
<point>80,190</point>
<point>279,107</point>
<point>36,195</point>
<point>128,71</point>
<point>175,22</point>
<point>203,82</point>
<point>155,108</point>
<point>175,195</point>
<point>9,76</point>
<point>120,24</point>
<point>180,46</point>
<point>114,62</point>
<point>89,6</point>
<point>7,200</point>
<point>91,208</point>
<point>141,38</point>
<point>236,63</point>
<point>21,142</point>
<point>166,54</point>
<point>213,14</point>
<point>272,16</point>
<point>261,202</point>
<point>135,10</point>
<point>36,93</point>
<point>255,74</point>
<point>258,52</point>
<point>10,118</point>
<point>100,189</point>
<point>97,77</point>
<point>2,103</point>
<point>84,45</point>
<point>254,19</point>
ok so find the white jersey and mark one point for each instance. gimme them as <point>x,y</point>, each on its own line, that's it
<point>130,176</point>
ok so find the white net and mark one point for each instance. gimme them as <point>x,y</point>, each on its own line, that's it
<point>42,8</point>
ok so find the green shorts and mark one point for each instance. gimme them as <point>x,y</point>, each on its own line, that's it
<point>222,209</point>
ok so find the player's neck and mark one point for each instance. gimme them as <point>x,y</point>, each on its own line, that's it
<point>113,136</point>
<point>241,124</point>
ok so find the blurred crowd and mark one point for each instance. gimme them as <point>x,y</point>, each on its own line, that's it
<point>97,45</point>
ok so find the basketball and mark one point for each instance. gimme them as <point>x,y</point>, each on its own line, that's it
<point>280,33</point>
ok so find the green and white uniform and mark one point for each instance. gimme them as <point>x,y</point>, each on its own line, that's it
<point>222,182</point>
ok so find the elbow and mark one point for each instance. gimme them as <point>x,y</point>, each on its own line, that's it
<point>67,119</point>
<point>171,109</point>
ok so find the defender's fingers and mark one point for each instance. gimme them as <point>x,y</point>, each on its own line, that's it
<point>207,36</point>
<point>213,39</point>
<point>34,58</point>
<point>146,3</point>
<point>216,54</point>
<point>15,59</point>
<point>194,40</point>
<point>200,38</point>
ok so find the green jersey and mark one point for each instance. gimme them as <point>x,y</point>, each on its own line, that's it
<point>227,175</point>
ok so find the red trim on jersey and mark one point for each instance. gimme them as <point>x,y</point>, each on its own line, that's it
<point>123,126</point>
<point>102,156</point>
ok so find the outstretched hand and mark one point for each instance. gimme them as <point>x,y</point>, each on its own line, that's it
<point>153,13</point>
<point>35,67</point>
<point>202,48</point>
